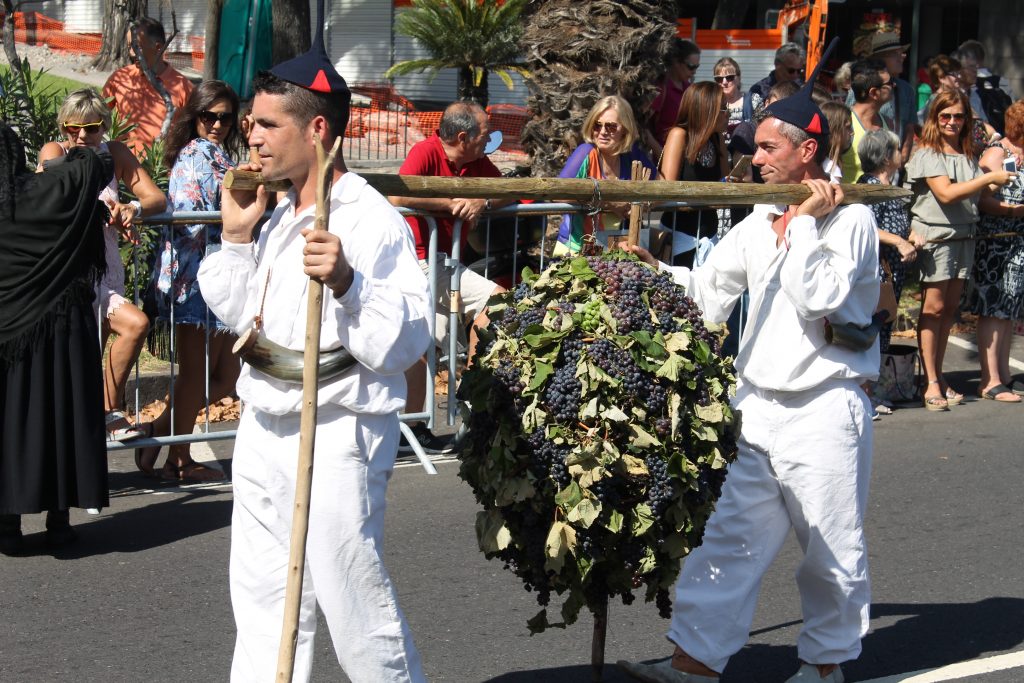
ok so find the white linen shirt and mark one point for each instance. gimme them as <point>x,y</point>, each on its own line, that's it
<point>817,272</point>
<point>382,319</point>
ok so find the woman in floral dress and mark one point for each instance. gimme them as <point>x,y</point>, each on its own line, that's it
<point>997,295</point>
<point>198,150</point>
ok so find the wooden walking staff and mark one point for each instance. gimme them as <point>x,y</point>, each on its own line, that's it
<point>307,426</point>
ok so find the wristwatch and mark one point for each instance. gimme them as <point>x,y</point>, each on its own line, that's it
<point>138,207</point>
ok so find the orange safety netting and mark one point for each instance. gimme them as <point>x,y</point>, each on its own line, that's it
<point>389,119</point>
<point>33,28</point>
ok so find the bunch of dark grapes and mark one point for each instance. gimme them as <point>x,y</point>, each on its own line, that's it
<point>664,602</point>
<point>563,390</point>
<point>547,459</point>
<point>659,490</point>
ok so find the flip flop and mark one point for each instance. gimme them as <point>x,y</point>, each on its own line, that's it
<point>1017,387</point>
<point>995,392</point>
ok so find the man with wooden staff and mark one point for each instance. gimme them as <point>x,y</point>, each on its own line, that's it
<point>805,449</point>
<point>376,306</point>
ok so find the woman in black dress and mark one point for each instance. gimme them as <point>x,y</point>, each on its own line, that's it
<point>52,436</point>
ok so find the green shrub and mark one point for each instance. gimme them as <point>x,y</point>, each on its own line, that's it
<point>29,104</point>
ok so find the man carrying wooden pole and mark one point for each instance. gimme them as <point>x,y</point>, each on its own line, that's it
<point>376,306</point>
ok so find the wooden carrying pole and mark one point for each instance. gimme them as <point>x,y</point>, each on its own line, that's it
<point>307,427</point>
<point>583,190</point>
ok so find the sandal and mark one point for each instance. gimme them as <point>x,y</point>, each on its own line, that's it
<point>119,428</point>
<point>953,397</point>
<point>191,472</point>
<point>1017,387</point>
<point>998,390</point>
<point>148,470</point>
<point>936,403</point>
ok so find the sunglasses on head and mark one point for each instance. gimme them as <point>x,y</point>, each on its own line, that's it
<point>211,117</point>
<point>728,78</point>
<point>609,127</point>
<point>73,128</point>
<point>946,118</point>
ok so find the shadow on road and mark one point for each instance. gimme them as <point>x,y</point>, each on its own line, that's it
<point>161,521</point>
<point>562,674</point>
<point>926,636</point>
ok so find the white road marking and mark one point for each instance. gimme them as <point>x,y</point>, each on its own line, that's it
<point>970,346</point>
<point>960,670</point>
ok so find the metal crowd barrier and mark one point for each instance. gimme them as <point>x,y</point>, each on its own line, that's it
<point>452,353</point>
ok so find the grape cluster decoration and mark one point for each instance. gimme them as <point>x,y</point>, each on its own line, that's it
<point>599,432</point>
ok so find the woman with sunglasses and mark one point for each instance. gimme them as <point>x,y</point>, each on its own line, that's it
<point>610,147</point>
<point>84,120</point>
<point>727,75</point>
<point>947,184</point>
<point>198,150</point>
<point>695,151</point>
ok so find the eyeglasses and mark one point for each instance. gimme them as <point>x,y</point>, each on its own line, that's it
<point>74,128</point>
<point>692,67</point>
<point>728,78</point>
<point>609,127</point>
<point>946,118</point>
<point>211,117</point>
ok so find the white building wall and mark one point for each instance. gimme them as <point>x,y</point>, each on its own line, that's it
<point>358,38</point>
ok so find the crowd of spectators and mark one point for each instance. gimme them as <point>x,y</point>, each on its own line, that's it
<point>957,149</point>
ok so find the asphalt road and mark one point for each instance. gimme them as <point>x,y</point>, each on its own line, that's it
<point>143,595</point>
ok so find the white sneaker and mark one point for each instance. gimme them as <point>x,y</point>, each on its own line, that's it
<point>661,672</point>
<point>808,673</point>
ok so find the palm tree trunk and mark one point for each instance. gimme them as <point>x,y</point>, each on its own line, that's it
<point>579,52</point>
<point>469,91</point>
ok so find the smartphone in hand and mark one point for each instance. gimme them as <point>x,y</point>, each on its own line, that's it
<point>742,167</point>
<point>1010,165</point>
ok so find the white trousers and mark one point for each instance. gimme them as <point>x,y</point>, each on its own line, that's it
<point>804,463</point>
<point>344,571</point>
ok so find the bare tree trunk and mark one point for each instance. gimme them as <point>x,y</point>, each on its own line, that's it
<point>291,28</point>
<point>10,49</point>
<point>730,14</point>
<point>118,15</point>
<point>212,46</point>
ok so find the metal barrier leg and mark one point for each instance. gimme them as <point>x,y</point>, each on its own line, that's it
<point>417,448</point>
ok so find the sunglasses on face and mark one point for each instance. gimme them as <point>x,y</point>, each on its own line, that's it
<point>608,126</point>
<point>211,117</point>
<point>692,67</point>
<point>792,71</point>
<point>728,78</point>
<point>74,128</point>
<point>946,118</point>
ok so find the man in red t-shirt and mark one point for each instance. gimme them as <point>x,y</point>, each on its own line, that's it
<point>455,150</point>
